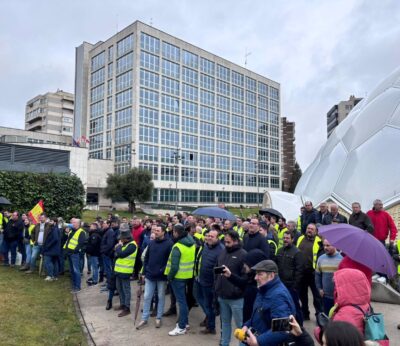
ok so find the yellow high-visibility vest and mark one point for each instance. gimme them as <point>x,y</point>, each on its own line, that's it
<point>199,236</point>
<point>299,223</point>
<point>127,264</point>
<point>186,262</point>
<point>240,231</point>
<point>270,241</point>
<point>280,236</point>
<point>30,230</point>
<point>73,242</point>
<point>315,248</point>
<point>398,250</point>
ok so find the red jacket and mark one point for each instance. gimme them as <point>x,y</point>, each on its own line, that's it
<point>351,287</point>
<point>136,233</point>
<point>383,223</point>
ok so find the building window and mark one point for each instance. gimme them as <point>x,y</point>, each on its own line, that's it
<point>123,153</point>
<point>251,111</point>
<point>171,52</point>
<point>170,138</point>
<point>207,161</point>
<point>262,115</point>
<point>149,43</point>
<point>207,145</point>
<point>223,196</point>
<point>207,196</point>
<point>237,165</point>
<point>148,152</point>
<point>222,178</point>
<point>170,121</point>
<point>207,82</point>
<point>189,142</point>
<point>251,138</point>
<point>189,92</point>
<point>123,135</point>
<point>274,169</point>
<point>251,98</point>
<point>125,45</point>
<point>237,93</point>
<point>251,84</point>
<point>167,155</point>
<point>168,173</point>
<point>170,86</point>
<point>96,125</point>
<point>170,103</point>
<point>190,59</point>
<point>251,153</point>
<point>223,118</point>
<point>263,155</point>
<point>148,134</point>
<point>207,98</point>
<point>190,125</point>
<point>206,177</point>
<point>124,81</point>
<point>108,154</point>
<point>275,183</point>
<point>96,154</point>
<point>237,107</point>
<point>223,148</point>
<point>148,116</point>
<point>110,53</point>
<point>237,197</point>
<point>237,179</point>
<point>170,69</point>
<point>238,122</point>
<point>274,106</point>
<point>189,195</point>
<point>189,175</point>
<point>125,63</point>
<point>251,180</point>
<point>149,79</point>
<point>123,117</point>
<point>149,61</point>
<point>263,142</point>
<point>110,70</point>
<point>237,150</point>
<point>96,142</point>
<point>190,76</point>
<point>274,118</point>
<point>108,139</point>
<point>263,128</point>
<point>189,108</point>
<point>207,129</point>
<point>123,99</point>
<point>274,143</point>
<point>97,93</point>
<point>274,93</point>
<point>237,78</point>
<point>223,88</point>
<point>98,61</point>
<point>262,102</point>
<point>223,73</point>
<point>223,132</point>
<point>274,156</point>
<point>97,109</point>
<point>207,113</point>
<point>251,166</point>
<point>251,125</point>
<point>207,66</point>
<point>153,169</point>
<point>109,121</point>
<point>97,77</point>
<point>262,89</point>
<point>223,103</point>
<point>222,162</point>
<point>149,98</point>
<point>167,195</point>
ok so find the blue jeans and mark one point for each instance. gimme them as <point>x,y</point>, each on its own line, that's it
<point>179,288</point>
<point>74,268</point>
<point>107,262</point>
<point>124,290</point>
<point>327,304</point>
<point>296,301</point>
<point>28,251</point>
<point>94,267</point>
<point>36,250</point>
<point>149,288</point>
<point>10,246</point>
<point>51,265</point>
<point>229,308</point>
<point>81,262</point>
<point>205,297</point>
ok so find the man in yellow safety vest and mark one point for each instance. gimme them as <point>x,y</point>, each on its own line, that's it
<point>74,245</point>
<point>125,253</point>
<point>179,269</point>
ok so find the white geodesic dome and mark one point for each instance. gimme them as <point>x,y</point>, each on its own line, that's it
<point>361,159</point>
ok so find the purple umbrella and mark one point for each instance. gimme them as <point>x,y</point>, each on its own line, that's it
<point>360,246</point>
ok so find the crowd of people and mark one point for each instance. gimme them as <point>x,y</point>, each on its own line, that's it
<point>251,271</point>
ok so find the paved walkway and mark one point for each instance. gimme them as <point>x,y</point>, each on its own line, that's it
<point>106,328</point>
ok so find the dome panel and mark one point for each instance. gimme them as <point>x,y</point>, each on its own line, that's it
<point>391,80</point>
<point>374,116</point>
<point>325,176</point>
<point>372,170</point>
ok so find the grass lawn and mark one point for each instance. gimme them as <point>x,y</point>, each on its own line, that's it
<point>245,212</point>
<point>36,312</point>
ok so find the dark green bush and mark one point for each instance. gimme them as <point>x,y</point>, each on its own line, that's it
<point>62,194</point>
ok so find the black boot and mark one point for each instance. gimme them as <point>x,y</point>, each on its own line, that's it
<point>109,305</point>
<point>171,311</point>
<point>101,277</point>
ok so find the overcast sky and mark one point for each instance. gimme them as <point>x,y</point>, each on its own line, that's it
<point>320,52</point>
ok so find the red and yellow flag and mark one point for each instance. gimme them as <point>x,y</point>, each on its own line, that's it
<point>36,211</point>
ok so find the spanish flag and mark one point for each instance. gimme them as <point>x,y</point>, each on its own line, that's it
<point>36,211</point>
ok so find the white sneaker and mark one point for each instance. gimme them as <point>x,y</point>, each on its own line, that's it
<point>48,278</point>
<point>177,331</point>
<point>375,277</point>
<point>382,280</point>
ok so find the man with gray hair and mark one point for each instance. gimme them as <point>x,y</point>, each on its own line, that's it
<point>336,217</point>
<point>324,217</point>
<point>360,219</point>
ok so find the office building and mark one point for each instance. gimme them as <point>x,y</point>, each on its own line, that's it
<point>288,152</point>
<point>339,112</point>
<point>207,129</point>
<point>51,113</point>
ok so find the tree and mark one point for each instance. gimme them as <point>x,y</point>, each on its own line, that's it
<point>297,173</point>
<point>134,186</point>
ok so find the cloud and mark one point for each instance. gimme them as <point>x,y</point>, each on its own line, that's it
<point>320,52</point>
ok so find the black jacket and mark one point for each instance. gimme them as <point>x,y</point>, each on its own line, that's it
<point>233,258</point>
<point>14,230</point>
<point>256,241</point>
<point>209,257</point>
<point>290,263</point>
<point>324,219</point>
<point>361,220</point>
<point>81,242</point>
<point>339,218</point>
<point>108,242</point>
<point>93,244</point>
<point>51,247</point>
<point>307,218</point>
<point>156,259</point>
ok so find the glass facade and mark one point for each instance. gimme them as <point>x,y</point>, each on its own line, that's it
<point>223,119</point>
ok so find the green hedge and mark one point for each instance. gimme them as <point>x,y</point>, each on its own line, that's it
<point>62,194</point>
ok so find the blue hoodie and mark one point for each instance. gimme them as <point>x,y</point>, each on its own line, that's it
<point>156,259</point>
